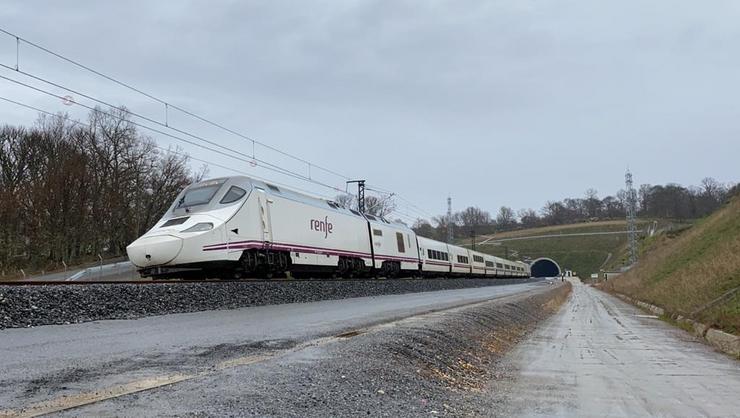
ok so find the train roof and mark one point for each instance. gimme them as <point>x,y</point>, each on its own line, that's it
<point>426,241</point>
<point>322,203</point>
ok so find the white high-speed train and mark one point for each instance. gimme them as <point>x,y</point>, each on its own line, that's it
<point>235,227</point>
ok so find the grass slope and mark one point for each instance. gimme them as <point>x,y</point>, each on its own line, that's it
<point>583,254</point>
<point>686,272</point>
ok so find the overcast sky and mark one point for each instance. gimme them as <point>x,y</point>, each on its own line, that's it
<point>493,102</point>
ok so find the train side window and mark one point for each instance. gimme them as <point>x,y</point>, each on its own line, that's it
<point>377,232</point>
<point>399,240</point>
<point>429,253</point>
<point>234,194</point>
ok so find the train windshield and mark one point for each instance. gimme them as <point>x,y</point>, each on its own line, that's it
<point>199,194</point>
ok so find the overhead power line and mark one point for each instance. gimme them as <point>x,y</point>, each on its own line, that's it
<point>167,106</point>
<point>246,157</point>
<point>151,96</point>
<point>148,119</point>
<point>168,150</point>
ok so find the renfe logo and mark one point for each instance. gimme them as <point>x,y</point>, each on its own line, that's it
<point>322,226</point>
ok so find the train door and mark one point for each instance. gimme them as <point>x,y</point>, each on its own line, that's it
<point>264,202</point>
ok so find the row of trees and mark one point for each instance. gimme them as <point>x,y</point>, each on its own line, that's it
<point>671,201</point>
<point>71,191</point>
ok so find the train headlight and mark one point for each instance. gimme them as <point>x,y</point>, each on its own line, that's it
<point>200,227</point>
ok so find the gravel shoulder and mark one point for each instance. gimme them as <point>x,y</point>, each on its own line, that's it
<point>433,364</point>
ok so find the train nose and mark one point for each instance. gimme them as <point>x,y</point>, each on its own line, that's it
<point>154,251</point>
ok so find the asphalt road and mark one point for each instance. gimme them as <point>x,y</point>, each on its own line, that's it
<point>117,271</point>
<point>53,367</point>
<point>602,357</point>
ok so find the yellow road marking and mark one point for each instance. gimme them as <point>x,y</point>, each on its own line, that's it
<point>73,401</point>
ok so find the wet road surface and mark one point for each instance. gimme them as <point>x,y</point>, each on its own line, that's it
<point>602,357</point>
<point>48,362</point>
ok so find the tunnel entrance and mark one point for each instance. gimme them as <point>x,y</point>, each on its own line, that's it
<point>545,267</point>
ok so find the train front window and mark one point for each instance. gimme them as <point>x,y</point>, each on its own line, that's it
<point>199,194</point>
<point>234,194</point>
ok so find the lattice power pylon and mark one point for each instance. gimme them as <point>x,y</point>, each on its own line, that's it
<point>631,210</point>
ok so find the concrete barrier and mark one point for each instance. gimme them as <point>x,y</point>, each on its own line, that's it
<point>728,343</point>
<point>700,329</point>
<point>656,310</point>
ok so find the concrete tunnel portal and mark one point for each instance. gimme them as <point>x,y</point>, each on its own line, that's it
<point>545,267</point>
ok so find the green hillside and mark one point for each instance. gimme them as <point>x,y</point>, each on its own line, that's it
<point>584,254</point>
<point>695,272</point>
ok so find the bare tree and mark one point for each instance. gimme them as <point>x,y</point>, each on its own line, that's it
<point>440,229</point>
<point>505,218</point>
<point>379,206</point>
<point>473,216</point>
<point>346,201</point>
<point>528,218</point>
<point>592,203</point>
<point>423,228</point>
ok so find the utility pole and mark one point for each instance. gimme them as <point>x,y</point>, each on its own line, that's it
<point>631,210</point>
<point>472,237</point>
<point>360,194</point>
<point>449,220</point>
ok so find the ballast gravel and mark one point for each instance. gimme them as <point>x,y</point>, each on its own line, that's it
<point>34,305</point>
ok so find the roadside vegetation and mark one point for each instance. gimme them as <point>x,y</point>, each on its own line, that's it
<point>694,271</point>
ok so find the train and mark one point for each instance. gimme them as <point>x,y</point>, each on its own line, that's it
<point>238,227</point>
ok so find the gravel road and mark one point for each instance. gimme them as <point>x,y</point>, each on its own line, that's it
<point>602,357</point>
<point>51,362</point>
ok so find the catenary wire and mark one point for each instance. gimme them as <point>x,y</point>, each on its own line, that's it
<point>161,101</point>
<point>148,119</point>
<point>248,158</point>
<point>168,150</point>
<point>169,105</point>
